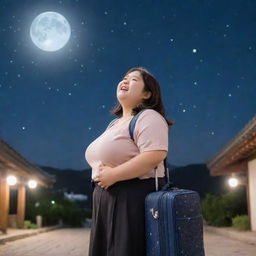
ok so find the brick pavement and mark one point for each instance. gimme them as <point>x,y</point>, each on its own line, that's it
<point>75,241</point>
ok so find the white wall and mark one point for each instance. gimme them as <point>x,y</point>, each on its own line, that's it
<point>252,191</point>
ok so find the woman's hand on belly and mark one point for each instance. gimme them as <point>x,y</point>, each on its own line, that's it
<point>106,176</point>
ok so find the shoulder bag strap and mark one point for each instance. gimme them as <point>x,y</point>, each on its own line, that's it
<point>131,131</point>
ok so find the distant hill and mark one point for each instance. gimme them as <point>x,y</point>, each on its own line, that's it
<point>194,176</point>
<point>197,177</point>
<point>71,180</point>
<point>78,182</point>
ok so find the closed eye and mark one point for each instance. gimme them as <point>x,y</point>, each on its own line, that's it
<point>132,79</point>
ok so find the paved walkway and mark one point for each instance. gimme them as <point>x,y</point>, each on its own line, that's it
<point>75,241</point>
<point>218,245</point>
<point>59,242</point>
<point>14,233</point>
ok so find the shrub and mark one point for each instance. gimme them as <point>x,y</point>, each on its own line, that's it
<point>241,222</point>
<point>28,224</point>
<point>219,209</point>
<point>40,203</point>
<point>213,210</point>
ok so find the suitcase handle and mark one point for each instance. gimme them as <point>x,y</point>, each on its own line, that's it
<point>169,184</point>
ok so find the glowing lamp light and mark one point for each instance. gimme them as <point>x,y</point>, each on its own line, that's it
<point>233,182</point>
<point>53,202</point>
<point>11,180</point>
<point>32,184</point>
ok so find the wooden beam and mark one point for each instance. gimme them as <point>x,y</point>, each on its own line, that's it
<point>4,201</point>
<point>21,206</point>
<point>239,167</point>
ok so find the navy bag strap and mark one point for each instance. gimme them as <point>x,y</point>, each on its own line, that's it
<point>131,131</point>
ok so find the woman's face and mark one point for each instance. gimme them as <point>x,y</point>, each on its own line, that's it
<point>133,93</point>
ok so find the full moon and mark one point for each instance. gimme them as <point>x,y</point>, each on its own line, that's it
<point>50,31</point>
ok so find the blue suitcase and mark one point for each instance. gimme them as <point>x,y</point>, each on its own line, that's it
<point>174,223</point>
<point>173,218</point>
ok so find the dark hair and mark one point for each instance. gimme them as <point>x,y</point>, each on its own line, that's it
<point>154,102</point>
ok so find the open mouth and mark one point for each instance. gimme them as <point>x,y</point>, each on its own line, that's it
<point>124,89</point>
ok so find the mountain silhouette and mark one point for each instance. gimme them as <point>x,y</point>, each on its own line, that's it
<point>194,177</point>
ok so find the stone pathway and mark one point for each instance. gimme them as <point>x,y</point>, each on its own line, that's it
<point>218,245</point>
<point>75,242</point>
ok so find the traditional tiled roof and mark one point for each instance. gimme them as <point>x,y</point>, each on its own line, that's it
<point>238,149</point>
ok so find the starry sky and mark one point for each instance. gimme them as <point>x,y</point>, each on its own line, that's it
<point>54,104</point>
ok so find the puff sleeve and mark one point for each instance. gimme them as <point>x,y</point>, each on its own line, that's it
<point>151,131</point>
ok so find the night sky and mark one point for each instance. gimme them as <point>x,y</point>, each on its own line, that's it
<point>54,104</point>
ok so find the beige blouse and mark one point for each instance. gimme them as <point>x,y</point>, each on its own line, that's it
<point>114,146</point>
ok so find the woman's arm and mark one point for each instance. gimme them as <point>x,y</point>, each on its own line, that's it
<point>133,168</point>
<point>139,165</point>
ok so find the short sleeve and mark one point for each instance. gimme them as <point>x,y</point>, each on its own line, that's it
<point>151,131</point>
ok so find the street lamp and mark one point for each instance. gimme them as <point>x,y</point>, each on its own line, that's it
<point>11,180</point>
<point>32,184</point>
<point>234,181</point>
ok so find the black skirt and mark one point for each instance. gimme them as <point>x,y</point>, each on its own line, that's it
<point>118,218</point>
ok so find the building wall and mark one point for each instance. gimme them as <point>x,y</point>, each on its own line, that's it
<point>252,191</point>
